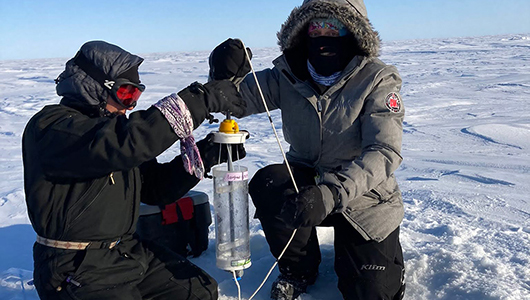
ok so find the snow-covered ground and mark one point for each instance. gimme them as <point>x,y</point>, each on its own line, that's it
<point>465,178</point>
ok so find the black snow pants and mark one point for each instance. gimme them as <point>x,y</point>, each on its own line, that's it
<point>131,270</point>
<point>365,269</point>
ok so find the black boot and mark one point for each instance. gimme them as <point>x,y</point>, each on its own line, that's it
<point>289,287</point>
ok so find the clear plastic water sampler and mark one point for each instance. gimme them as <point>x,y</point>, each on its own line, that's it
<point>231,203</point>
<point>231,218</point>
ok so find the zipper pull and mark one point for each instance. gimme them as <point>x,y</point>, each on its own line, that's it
<point>319,105</point>
<point>69,279</point>
<point>111,177</point>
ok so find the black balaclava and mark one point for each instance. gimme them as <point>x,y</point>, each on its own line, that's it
<point>329,55</point>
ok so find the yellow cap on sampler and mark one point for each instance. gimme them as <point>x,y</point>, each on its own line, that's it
<point>228,126</point>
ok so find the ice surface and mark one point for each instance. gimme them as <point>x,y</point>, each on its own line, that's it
<point>465,176</point>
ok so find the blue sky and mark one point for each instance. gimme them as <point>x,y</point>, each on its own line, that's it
<point>57,28</point>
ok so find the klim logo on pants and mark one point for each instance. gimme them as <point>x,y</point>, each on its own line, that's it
<point>372,268</point>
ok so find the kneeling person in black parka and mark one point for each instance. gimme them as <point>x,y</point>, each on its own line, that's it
<point>87,167</point>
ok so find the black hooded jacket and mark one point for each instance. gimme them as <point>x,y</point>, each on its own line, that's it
<point>84,173</point>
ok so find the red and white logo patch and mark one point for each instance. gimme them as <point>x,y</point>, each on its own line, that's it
<point>393,102</point>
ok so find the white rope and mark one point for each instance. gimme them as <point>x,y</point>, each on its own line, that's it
<point>274,265</point>
<point>269,115</point>
<point>237,284</point>
<point>284,159</point>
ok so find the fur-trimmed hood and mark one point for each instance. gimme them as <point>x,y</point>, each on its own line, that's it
<point>352,13</point>
<point>81,91</point>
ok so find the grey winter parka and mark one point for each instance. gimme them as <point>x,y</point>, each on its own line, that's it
<point>351,133</point>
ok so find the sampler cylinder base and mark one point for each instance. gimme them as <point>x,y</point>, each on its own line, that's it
<point>231,217</point>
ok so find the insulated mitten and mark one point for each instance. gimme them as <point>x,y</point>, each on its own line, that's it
<point>210,152</point>
<point>228,61</point>
<point>214,96</point>
<point>305,209</point>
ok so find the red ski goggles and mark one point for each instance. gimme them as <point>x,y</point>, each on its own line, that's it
<point>125,92</point>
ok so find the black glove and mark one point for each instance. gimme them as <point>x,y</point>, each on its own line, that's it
<point>228,61</point>
<point>210,152</point>
<point>305,209</point>
<point>214,96</point>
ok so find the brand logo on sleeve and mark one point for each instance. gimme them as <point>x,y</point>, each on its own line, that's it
<point>393,102</point>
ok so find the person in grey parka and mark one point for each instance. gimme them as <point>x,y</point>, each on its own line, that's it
<point>342,117</point>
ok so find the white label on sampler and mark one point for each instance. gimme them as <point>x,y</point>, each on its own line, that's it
<point>236,176</point>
